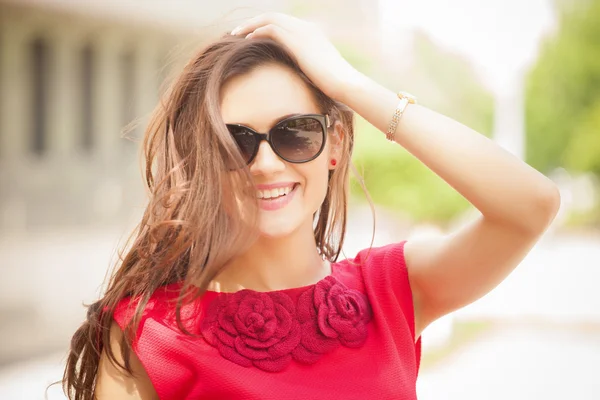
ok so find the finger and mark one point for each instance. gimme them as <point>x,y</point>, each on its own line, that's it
<point>272,31</point>
<point>283,20</point>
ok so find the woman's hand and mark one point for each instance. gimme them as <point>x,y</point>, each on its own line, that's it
<point>316,55</point>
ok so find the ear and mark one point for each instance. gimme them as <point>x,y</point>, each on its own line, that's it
<point>336,142</point>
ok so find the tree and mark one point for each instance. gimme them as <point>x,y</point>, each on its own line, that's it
<point>563,93</point>
<point>447,83</point>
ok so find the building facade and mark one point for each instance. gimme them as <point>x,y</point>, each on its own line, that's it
<point>75,74</point>
<point>70,84</point>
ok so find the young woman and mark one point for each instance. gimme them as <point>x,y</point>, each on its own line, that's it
<point>232,288</point>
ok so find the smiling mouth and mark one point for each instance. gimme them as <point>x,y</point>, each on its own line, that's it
<point>274,194</point>
<point>277,199</point>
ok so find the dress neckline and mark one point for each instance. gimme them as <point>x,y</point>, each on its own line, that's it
<point>333,268</point>
<point>273,329</point>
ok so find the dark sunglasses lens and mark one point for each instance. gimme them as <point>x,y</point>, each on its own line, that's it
<point>299,139</point>
<point>245,140</point>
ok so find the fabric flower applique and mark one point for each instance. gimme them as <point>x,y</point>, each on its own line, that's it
<point>266,330</point>
<point>330,314</point>
<point>253,328</point>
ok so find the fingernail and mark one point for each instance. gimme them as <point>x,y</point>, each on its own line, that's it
<point>236,30</point>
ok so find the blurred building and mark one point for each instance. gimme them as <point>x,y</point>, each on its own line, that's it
<point>74,74</point>
<point>70,83</point>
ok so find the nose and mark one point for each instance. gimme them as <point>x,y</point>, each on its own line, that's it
<point>266,161</point>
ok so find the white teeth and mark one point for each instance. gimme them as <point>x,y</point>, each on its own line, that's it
<point>273,193</point>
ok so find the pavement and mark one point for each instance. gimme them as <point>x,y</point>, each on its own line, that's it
<point>556,283</point>
<point>517,362</point>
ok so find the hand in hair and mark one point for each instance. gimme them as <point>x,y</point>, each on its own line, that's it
<point>316,55</point>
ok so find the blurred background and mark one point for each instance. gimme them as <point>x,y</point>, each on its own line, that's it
<point>76,75</point>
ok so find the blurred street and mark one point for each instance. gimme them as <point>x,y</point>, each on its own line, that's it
<point>519,363</point>
<point>558,281</point>
<point>80,79</point>
<point>551,352</point>
<point>516,363</point>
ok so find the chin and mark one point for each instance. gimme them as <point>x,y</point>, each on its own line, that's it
<point>277,229</point>
<point>275,233</point>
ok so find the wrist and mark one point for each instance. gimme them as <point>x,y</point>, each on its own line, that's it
<point>349,85</point>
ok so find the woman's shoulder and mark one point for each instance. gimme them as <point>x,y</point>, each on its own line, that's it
<point>161,346</point>
<point>374,263</point>
<point>162,306</point>
<point>383,272</point>
<point>392,252</point>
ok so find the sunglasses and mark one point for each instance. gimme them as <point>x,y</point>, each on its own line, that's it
<point>296,139</point>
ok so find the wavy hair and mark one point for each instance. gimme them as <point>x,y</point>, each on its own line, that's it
<point>192,222</point>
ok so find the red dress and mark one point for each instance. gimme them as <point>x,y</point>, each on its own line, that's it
<point>349,336</point>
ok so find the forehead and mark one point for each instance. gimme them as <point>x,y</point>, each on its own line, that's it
<point>262,97</point>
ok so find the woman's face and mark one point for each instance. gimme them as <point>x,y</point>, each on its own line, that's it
<point>259,100</point>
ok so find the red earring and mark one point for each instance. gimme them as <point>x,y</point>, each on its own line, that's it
<point>333,162</point>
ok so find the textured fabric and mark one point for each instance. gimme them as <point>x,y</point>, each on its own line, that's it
<point>268,330</point>
<point>349,336</point>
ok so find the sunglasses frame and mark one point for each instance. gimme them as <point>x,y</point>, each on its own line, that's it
<point>323,119</point>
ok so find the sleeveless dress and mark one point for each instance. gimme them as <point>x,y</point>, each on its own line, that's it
<point>349,336</point>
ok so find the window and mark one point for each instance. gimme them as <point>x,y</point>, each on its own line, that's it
<point>128,96</point>
<point>39,111</point>
<point>87,102</point>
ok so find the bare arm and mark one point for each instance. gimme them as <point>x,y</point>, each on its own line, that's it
<point>516,202</point>
<point>114,384</point>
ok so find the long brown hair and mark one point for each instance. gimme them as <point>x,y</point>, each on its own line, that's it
<point>191,224</point>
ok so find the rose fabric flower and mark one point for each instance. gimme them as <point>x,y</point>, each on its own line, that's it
<point>267,330</point>
<point>253,328</point>
<point>330,314</point>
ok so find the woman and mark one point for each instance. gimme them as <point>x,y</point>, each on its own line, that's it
<point>232,290</point>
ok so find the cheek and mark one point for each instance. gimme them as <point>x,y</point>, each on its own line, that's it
<point>317,180</point>
<point>238,204</point>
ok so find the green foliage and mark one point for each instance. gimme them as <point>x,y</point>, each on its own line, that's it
<point>355,57</point>
<point>395,179</point>
<point>586,219</point>
<point>563,94</point>
<point>398,181</point>
<point>583,150</point>
<point>447,83</point>
<point>463,333</point>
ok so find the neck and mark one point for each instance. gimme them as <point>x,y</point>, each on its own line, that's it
<point>275,264</point>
